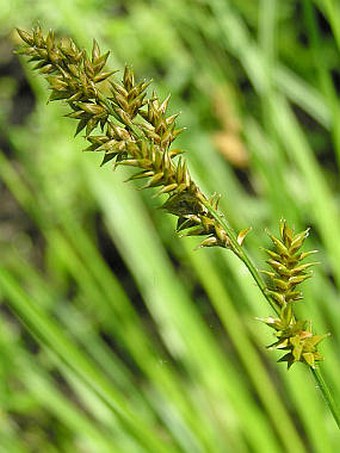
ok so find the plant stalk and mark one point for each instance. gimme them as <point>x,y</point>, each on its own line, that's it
<point>326,393</point>
<point>239,251</point>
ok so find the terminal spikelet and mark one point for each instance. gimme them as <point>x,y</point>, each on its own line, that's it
<point>126,124</point>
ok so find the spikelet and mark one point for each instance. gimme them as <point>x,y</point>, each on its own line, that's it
<point>287,272</point>
<point>127,125</point>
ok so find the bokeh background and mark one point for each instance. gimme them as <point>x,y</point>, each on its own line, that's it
<point>115,335</point>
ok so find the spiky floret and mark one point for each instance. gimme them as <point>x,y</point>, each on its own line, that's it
<point>130,127</point>
<point>287,272</point>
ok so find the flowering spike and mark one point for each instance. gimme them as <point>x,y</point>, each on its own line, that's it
<point>132,128</point>
<point>287,272</point>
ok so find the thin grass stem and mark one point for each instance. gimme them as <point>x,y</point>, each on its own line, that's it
<point>327,395</point>
<point>242,255</point>
<point>239,251</point>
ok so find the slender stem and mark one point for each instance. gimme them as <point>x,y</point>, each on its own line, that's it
<point>239,251</point>
<point>321,383</point>
<point>326,393</point>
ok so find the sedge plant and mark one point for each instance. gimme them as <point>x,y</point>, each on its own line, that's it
<point>131,127</point>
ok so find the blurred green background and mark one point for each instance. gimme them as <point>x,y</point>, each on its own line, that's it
<point>115,335</point>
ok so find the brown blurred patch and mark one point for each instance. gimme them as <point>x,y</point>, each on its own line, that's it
<point>228,140</point>
<point>230,145</point>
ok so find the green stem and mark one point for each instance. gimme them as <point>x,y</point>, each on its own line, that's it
<point>321,383</point>
<point>239,251</point>
<point>328,397</point>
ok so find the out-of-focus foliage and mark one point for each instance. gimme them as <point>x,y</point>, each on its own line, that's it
<point>114,334</point>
